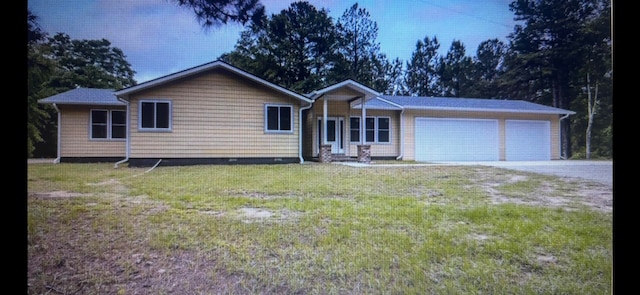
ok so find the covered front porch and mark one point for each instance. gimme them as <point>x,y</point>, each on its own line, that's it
<point>333,124</point>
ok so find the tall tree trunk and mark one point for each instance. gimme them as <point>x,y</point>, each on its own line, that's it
<point>592,103</point>
<point>354,68</point>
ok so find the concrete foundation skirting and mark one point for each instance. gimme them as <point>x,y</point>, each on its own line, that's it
<point>148,162</point>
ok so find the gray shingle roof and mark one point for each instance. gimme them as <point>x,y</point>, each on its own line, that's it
<point>379,104</point>
<point>93,96</point>
<point>84,96</point>
<point>464,104</point>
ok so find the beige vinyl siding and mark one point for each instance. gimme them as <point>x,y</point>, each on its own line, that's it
<point>214,115</point>
<point>409,127</point>
<point>75,141</point>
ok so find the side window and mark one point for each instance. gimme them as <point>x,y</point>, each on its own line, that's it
<point>378,129</point>
<point>118,124</point>
<point>155,115</point>
<point>108,124</point>
<point>99,124</point>
<point>354,129</point>
<point>370,129</point>
<point>383,129</point>
<point>278,118</point>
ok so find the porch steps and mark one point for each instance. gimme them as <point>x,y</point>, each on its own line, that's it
<point>342,158</point>
<point>338,158</point>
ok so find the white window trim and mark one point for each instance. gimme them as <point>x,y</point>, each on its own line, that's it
<point>169,129</point>
<point>109,125</point>
<point>376,130</point>
<point>266,119</point>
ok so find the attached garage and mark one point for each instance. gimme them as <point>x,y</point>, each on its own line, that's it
<point>527,140</point>
<point>449,129</point>
<point>453,139</point>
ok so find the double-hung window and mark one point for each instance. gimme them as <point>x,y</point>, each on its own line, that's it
<point>154,115</point>
<point>108,124</point>
<point>278,118</point>
<point>383,130</point>
<point>377,129</point>
<point>354,129</point>
<point>370,129</point>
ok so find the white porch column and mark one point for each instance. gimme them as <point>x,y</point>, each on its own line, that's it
<point>325,108</point>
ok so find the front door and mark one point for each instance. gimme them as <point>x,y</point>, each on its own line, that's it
<point>335,134</point>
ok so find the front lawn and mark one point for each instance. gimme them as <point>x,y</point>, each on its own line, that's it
<point>314,229</point>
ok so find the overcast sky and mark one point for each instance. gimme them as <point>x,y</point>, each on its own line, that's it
<point>159,38</point>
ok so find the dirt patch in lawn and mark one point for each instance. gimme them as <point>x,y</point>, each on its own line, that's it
<point>547,192</point>
<point>69,269</point>
<point>597,196</point>
<point>91,254</point>
<point>251,214</point>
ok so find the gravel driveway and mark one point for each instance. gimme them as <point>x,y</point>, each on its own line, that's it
<point>598,171</point>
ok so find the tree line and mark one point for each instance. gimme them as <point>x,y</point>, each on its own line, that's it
<point>558,55</point>
<point>303,48</point>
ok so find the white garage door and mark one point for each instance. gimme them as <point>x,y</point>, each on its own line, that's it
<point>527,140</point>
<point>446,139</point>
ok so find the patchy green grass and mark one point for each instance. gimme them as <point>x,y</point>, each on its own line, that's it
<point>311,229</point>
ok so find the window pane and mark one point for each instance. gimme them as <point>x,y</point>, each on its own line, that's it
<point>98,117</point>
<point>331,130</point>
<point>383,123</point>
<point>341,134</point>
<point>285,118</point>
<point>162,113</point>
<point>383,136</point>
<point>118,131</point>
<point>272,118</point>
<point>370,132</point>
<point>354,123</point>
<point>118,124</point>
<point>383,129</point>
<point>354,127</point>
<point>99,131</point>
<point>370,123</point>
<point>148,113</point>
<point>354,135</point>
<point>370,135</point>
<point>98,124</point>
<point>118,117</point>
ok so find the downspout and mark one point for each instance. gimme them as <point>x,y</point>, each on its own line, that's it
<point>128,135</point>
<point>560,126</point>
<point>401,135</point>
<point>57,159</point>
<point>300,131</point>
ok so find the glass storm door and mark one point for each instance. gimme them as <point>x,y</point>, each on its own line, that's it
<point>335,134</point>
